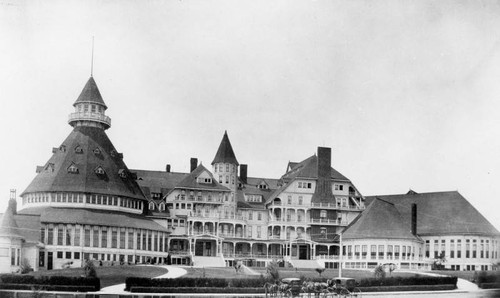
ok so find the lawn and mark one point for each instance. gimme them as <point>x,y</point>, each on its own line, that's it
<point>306,273</point>
<point>109,275</point>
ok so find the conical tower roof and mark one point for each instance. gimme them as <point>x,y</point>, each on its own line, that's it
<point>8,226</point>
<point>225,153</point>
<point>90,94</point>
<point>74,167</point>
<point>381,220</point>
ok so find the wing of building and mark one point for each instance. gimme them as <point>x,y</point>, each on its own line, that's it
<point>84,203</point>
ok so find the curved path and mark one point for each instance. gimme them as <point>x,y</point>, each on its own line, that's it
<point>173,272</point>
<point>462,284</point>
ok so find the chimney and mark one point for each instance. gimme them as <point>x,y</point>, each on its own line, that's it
<point>194,163</point>
<point>243,173</point>
<point>323,192</point>
<point>13,202</point>
<point>168,168</point>
<point>414,219</point>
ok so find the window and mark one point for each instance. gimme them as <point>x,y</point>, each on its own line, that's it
<point>474,248</point>
<point>373,251</point>
<point>73,169</point>
<point>114,239</point>
<point>104,237</point>
<point>258,232</point>
<point>220,178</point>
<point>151,206</point>
<point>95,237</point>
<point>122,239</point>
<point>380,251</point>
<point>76,255</point>
<point>227,167</point>
<point>59,254</point>
<point>42,235</point>
<point>227,178</point>
<point>356,251</point>
<point>482,249</point>
<point>452,248</point>
<point>60,235</point>
<point>467,248</point>
<point>396,252</point>
<point>92,108</point>
<point>300,200</point>
<point>68,255</point>
<point>300,184</point>
<point>289,200</point>
<point>364,249</point>
<point>250,215</point>
<point>322,214</point>
<point>339,187</point>
<point>100,171</point>
<point>389,252</point>
<point>130,240</point>
<point>259,216</point>
<point>97,151</point>
<point>459,248</point>
<point>436,249</point>
<point>68,236</point>
<point>76,241</point>
<point>322,231</point>
<point>86,239</point>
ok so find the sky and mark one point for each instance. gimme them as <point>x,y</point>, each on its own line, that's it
<point>406,93</point>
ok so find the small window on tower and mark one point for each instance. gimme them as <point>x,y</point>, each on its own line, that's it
<point>100,171</point>
<point>122,173</point>
<point>78,149</point>
<point>97,151</point>
<point>73,169</point>
<point>62,148</point>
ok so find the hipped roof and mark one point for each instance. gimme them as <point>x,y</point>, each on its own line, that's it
<point>90,94</point>
<point>441,213</point>
<point>191,181</point>
<point>56,178</point>
<point>380,220</point>
<point>225,153</point>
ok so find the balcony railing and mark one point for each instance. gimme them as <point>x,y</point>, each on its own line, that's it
<point>329,221</point>
<point>204,199</point>
<point>335,206</point>
<point>179,252</point>
<point>89,116</point>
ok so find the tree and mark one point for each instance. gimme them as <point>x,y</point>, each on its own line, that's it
<point>89,269</point>
<point>272,270</point>
<point>320,271</point>
<point>379,271</point>
<point>439,262</point>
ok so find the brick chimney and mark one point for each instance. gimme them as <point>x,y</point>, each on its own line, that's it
<point>167,168</point>
<point>414,219</point>
<point>194,163</point>
<point>243,173</point>
<point>323,191</point>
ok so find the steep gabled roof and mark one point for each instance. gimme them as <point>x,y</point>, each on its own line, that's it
<point>308,169</point>
<point>381,220</point>
<point>157,181</point>
<point>8,225</point>
<point>441,213</point>
<point>56,176</point>
<point>90,94</point>
<point>225,153</point>
<point>191,181</point>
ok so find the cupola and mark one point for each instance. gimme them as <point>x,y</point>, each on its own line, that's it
<point>90,108</point>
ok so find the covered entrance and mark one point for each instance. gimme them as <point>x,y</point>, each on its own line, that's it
<point>304,252</point>
<point>205,248</point>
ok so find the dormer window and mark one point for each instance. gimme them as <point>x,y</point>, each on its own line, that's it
<point>151,206</point>
<point>97,151</point>
<point>49,167</point>
<point>78,149</point>
<point>62,148</point>
<point>113,153</point>
<point>100,171</point>
<point>122,173</point>
<point>73,169</point>
<point>161,207</point>
<point>156,195</point>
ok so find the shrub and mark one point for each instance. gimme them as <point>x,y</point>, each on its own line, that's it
<point>89,269</point>
<point>272,270</point>
<point>379,272</point>
<point>408,281</point>
<point>25,266</point>
<point>30,280</point>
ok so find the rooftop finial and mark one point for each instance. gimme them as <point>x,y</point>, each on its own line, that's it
<point>92,60</point>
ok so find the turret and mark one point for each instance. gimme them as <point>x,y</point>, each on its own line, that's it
<point>90,108</point>
<point>225,165</point>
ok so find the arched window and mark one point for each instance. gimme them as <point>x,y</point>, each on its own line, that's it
<point>97,151</point>
<point>162,206</point>
<point>151,206</point>
<point>73,169</point>
<point>100,171</point>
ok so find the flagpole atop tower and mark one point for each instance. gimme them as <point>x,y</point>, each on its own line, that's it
<point>92,59</point>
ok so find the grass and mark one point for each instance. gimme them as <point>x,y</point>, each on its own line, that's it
<point>284,273</point>
<point>109,275</point>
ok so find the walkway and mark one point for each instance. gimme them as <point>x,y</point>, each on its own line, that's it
<point>173,272</point>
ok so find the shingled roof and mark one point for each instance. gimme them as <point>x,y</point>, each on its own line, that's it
<point>308,169</point>
<point>440,213</point>
<point>90,94</point>
<point>190,181</point>
<point>85,150</point>
<point>381,220</point>
<point>157,181</point>
<point>225,153</point>
<point>8,225</point>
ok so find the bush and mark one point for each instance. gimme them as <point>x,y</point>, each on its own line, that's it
<point>408,281</point>
<point>490,285</point>
<point>94,282</point>
<point>89,269</point>
<point>175,283</point>
<point>408,288</point>
<point>197,290</point>
<point>379,271</point>
<point>487,277</point>
<point>272,270</point>
<point>25,266</point>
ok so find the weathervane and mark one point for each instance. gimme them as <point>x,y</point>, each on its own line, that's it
<point>92,59</point>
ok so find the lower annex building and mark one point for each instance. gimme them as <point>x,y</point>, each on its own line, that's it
<point>85,204</point>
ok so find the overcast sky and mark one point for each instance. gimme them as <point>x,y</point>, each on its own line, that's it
<point>406,93</point>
